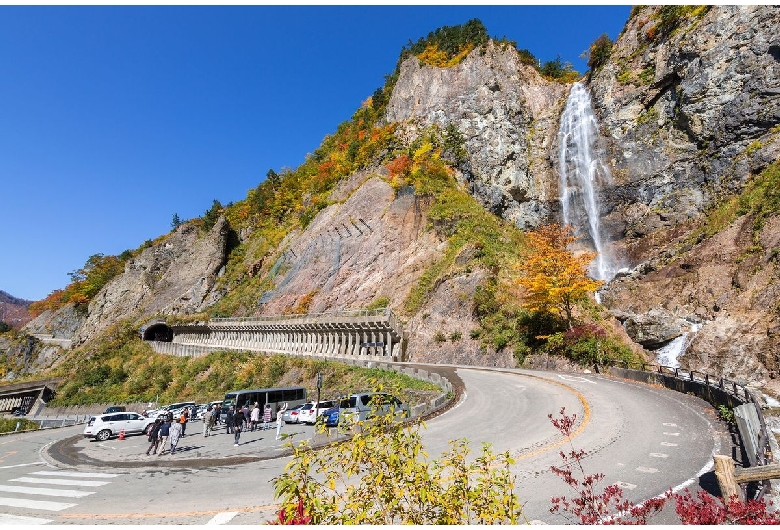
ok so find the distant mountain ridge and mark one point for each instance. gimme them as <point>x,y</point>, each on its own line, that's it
<point>13,311</point>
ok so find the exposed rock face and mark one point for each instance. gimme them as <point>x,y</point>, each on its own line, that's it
<point>60,324</point>
<point>173,277</point>
<point>370,245</point>
<point>726,283</point>
<point>688,116</point>
<point>508,115</point>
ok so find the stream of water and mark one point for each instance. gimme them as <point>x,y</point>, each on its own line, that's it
<point>582,171</point>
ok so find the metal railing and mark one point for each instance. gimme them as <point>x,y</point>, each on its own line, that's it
<point>737,389</point>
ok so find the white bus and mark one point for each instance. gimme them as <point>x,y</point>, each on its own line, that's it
<point>276,397</point>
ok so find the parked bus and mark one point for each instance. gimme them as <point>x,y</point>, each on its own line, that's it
<point>276,397</point>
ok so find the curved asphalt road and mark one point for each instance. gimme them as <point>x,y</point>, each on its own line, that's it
<point>647,439</point>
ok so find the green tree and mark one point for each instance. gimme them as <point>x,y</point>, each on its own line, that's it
<point>212,214</point>
<point>175,221</point>
<point>4,326</point>
<point>273,178</point>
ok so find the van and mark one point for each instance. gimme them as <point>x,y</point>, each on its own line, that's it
<point>363,405</point>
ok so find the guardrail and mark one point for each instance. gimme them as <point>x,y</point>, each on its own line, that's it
<point>756,439</point>
<point>386,312</point>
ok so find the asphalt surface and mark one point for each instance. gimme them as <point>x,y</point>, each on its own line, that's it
<point>645,438</point>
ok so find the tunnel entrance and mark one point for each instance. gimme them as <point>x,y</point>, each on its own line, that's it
<point>159,332</point>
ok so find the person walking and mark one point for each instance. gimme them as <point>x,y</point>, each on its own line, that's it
<point>185,417</point>
<point>207,421</point>
<point>255,417</point>
<point>173,436</point>
<point>247,416</point>
<point>165,430</point>
<point>229,420</point>
<point>238,421</point>
<point>279,414</point>
<point>267,417</point>
<point>213,418</point>
<point>154,437</point>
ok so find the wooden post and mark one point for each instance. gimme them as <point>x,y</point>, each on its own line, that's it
<point>724,472</point>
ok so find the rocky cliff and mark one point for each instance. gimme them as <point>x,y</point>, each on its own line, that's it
<point>508,115</point>
<point>689,112</point>
<point>174,276</point>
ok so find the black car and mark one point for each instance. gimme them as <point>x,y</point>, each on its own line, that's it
<point>19,411</point>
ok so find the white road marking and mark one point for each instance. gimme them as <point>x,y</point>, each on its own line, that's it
<point>59,482</point>
<point>222,518</point>
<point>669,424</point>
<point>75,474</point>
<point>35,505</point>
<point>626,485</point>
<point>570,378</point>
<point>19,520</point>
<point>672,433</point>
<point>647,470</point>
<point>668,444</point>
<point>45,491</point>
<point>21,465</point>
<point>659,455</point>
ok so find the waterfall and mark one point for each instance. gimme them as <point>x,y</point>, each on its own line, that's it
<point>581,172</point>
<point>670,354</point>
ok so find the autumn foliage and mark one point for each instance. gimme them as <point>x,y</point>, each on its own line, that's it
<point>552,277</point>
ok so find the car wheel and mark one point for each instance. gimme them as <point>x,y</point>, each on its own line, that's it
<point>103,435</point>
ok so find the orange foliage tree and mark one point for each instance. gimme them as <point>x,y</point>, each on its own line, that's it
<point>553,278</point>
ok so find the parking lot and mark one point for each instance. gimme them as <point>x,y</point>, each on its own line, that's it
<point>194,447</point>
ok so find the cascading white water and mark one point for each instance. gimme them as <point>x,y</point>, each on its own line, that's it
<point>670,354</point>
<point>581,172</point>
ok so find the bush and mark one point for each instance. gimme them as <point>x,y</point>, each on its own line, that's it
<point>381,476</point>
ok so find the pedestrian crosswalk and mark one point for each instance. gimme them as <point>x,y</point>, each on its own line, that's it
<point>45,492</point>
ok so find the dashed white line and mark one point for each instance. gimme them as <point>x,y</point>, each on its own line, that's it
<point>647,469</point>
<point>672,433</point>
<point>668,444</point>
<point>659,455</point>
<point>626,485</point>
<point>669,424</point>
<point>222,518</point>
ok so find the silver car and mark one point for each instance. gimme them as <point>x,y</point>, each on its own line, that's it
<point>292,415</point>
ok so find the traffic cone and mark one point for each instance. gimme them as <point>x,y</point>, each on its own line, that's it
<point>122,434</point>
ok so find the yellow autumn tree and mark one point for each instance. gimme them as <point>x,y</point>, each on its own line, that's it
<point>553,278</point>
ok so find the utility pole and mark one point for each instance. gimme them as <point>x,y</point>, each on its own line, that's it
<point>317,405</point>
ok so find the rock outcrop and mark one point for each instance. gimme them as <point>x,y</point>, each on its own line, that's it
<point>508,115</point>
<point>688,115</point>
<point>172,277</point>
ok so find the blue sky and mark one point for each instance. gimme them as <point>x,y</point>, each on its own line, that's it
<point>112,119</point>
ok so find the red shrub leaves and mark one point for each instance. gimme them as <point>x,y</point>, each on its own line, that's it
<point>712,510</point>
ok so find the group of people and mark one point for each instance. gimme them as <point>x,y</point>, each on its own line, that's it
<point>166,430</point>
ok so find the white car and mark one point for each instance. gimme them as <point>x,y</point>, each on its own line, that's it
<point>306,414</point>
<point>105,426</point>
